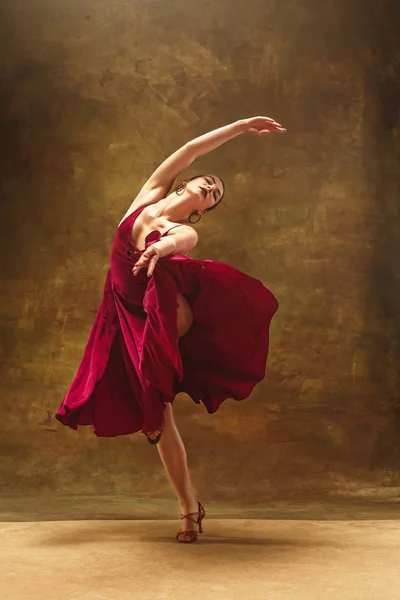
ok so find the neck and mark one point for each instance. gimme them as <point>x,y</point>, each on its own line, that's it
<point>172,209</point>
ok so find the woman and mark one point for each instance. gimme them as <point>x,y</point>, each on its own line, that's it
<point>168,323</point>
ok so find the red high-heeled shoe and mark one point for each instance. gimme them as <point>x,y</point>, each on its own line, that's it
<point>152,440</point>
<point>186,536</point>
<point>156,432</point>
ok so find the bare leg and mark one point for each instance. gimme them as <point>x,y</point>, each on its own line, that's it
<point>173,456</point>
<point>170,447</point>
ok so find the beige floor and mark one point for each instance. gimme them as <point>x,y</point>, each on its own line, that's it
<point>234,559</point>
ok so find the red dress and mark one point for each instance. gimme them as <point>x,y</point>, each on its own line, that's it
<point>134,360</point>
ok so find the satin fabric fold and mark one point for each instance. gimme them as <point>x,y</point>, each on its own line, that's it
<point>134,362</point>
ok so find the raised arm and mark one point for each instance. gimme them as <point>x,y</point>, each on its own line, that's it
<point>161,180</point>
<point>184,238</point>
<point>181,159</point>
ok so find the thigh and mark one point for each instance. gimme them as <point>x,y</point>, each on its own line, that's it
<point>184,315</point>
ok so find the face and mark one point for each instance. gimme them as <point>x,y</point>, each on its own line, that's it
<point>208,190</point>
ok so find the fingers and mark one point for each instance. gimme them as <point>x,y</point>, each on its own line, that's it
<point>139,265</point>
<point>259,132</point>
<point>152,265</point>
<point>273,122</point>
<point>264,126</point>
<point>277,126</point>
<point>143,262</point>
<point>268,121</point>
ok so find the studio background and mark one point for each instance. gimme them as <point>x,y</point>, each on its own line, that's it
<point>94,96</point>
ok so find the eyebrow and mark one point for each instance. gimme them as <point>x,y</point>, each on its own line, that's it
<point>214,180</point>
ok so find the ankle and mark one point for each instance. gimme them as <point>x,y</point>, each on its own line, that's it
<point>188,505</point>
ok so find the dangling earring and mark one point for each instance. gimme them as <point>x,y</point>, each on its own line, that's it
<point>181,188</point>
<point>191,215</point>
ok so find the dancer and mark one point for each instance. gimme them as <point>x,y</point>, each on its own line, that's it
<point>168,323</point>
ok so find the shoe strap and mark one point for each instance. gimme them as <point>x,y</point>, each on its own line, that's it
<point>190,517</point>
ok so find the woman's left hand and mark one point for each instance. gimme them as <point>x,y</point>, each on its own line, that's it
<point>262,126</point>
<point>148,259</point>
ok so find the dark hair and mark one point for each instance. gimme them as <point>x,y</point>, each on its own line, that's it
<point>223,192</point>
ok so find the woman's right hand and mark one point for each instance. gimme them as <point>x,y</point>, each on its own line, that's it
<point>261,126</point>
<point>148,259</point>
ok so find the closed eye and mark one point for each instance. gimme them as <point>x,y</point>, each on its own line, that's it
<point>216,193</point>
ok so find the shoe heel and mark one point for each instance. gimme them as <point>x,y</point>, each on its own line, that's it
<point>202,514</point>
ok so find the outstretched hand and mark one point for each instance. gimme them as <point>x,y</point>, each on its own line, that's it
<point>262,126</point>
<point>148,259</point>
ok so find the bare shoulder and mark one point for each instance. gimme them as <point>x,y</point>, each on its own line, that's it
<point>148,195</point>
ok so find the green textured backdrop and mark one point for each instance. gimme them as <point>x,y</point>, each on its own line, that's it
<point>94,95</point>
